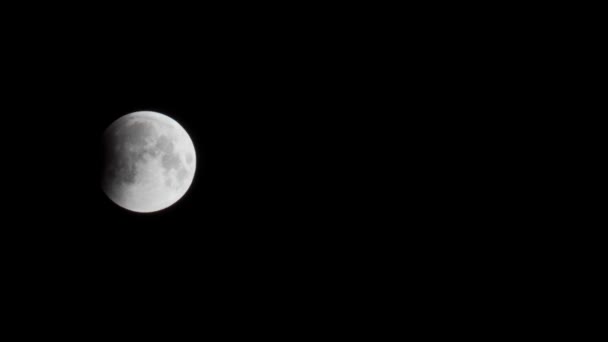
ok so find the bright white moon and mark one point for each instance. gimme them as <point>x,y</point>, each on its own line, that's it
<point>150,162</point>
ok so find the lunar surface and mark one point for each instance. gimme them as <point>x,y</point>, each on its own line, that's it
<point>149,162</point>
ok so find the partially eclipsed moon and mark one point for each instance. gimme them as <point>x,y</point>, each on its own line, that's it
<point>149,162</point>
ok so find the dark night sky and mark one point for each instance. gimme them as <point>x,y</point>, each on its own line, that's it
<point>276,120</point>
<point>264,197</point>
<point>338,151</point>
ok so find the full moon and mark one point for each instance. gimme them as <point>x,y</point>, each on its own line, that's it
<point>149,161</point>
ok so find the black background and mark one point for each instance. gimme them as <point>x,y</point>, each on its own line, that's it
<point>273,215</point>
<point>300,118</point>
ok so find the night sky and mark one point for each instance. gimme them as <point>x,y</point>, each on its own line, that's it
<point>272,211</point>
<point>349,164</point>
<point>262,188</point>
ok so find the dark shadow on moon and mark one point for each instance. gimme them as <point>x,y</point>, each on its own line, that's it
<point>122,151</point>
<point>135,132</point>
<point>125,147</point>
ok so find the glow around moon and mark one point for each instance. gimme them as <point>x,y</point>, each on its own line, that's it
<point>149,161</point>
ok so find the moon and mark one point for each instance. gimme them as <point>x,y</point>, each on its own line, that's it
<point>149,161</point>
